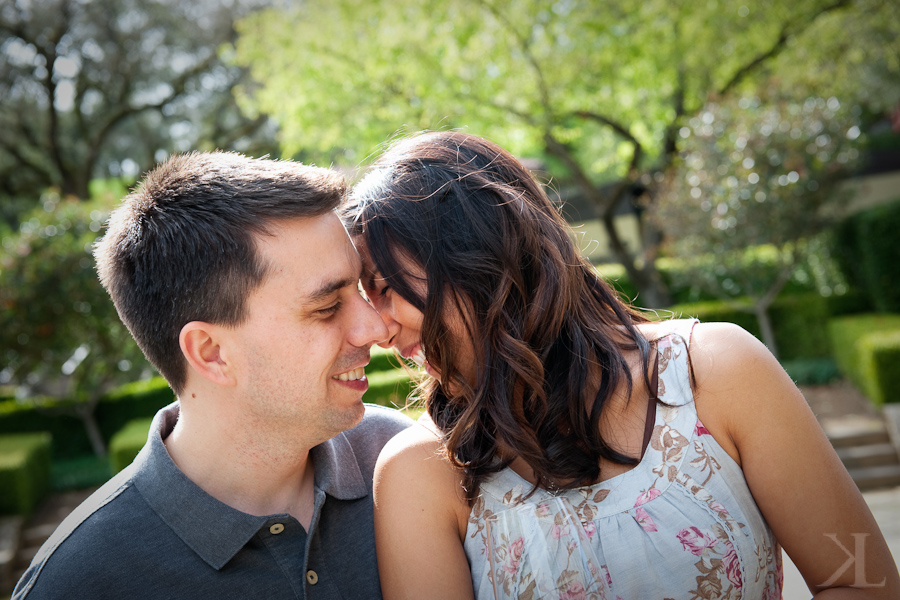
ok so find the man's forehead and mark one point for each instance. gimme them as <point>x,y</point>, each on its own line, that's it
<point>316,253</point>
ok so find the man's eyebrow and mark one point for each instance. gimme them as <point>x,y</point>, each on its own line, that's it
<point>328,288</point>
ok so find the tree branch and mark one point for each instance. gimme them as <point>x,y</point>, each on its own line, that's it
<point>778,46</point>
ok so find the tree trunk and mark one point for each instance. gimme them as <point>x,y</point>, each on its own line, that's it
<point>765,327</point>
<point>652,292</point>
<point>86,414</point>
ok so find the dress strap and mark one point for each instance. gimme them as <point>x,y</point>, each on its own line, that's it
<point>651,402</point>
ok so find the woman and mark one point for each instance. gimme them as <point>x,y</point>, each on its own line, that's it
<point>576,449</point>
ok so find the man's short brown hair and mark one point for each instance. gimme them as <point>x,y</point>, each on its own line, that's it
<point>182,246</point>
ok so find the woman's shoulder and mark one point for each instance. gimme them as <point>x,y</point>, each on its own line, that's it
<point>413,472</point>
<point>417,453</point>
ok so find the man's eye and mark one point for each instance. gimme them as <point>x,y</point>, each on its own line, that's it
<point>330,310</point>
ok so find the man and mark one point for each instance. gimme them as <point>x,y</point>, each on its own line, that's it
<point>239,283</point>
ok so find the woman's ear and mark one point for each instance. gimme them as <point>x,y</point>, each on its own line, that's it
<point>201,344</point>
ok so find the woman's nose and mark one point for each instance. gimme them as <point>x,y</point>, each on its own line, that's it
<point>386,311</point>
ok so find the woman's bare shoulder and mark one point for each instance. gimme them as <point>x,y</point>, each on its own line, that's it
<point>413,475</point>
<point>416,455</point>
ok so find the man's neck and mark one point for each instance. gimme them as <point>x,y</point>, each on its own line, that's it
<point>259,473</point>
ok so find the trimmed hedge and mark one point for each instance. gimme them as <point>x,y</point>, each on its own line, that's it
<point>675,275</point>
<point>812,371</point>
<point>387,388</point>
<point>126,444</point>
<point>866,248</point>
<point>24,471</point>
<point>867,350</point>
<point>799,322</point>
<point>115,409</point>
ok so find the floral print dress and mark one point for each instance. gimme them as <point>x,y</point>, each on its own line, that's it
<point>681,525</point>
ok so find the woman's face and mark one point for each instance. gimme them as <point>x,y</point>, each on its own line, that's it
<point>404,321</point>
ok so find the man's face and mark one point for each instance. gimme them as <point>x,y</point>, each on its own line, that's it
<point>300,353</point>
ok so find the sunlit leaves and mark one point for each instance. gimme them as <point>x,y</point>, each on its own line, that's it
<point>757,171</point>
<point>59,332</point>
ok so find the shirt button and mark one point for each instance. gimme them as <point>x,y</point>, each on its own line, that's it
<point>276,528</point>
<point>312,577</point>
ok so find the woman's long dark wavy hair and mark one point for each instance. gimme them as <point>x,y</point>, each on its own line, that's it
<point>545,328</point>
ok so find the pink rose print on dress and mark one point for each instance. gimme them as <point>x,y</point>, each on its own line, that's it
<point>575,591</point>
<point>590,529</point>
<point>732,566</point>
<point>543,509</point>
<point>647,496</point>
<point>559,531</point>
<point>700,429</point>
<point>640,515</point>
<point>643,519</point>
<point>513,556</point>
<point>695,541</point>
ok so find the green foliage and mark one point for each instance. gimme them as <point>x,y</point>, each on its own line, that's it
<point>866,246</point>
<point>867,349</point>
<point>24,471</point>
<point>128,402</point>
<point>389,388</point>
<point>59,331</point>
<point>812,371</point>
<point>106,87</point>
<point>751,189</point>
<point>349,74</point>
<point>126,444</point>
<point>45,414</point>
<point>880,365</point>
<point>78,472</point>
<point>600,89</point>
<point>798,321</point>
<point>382,360</point>
<point>690,279</point>
<point>131,401</point>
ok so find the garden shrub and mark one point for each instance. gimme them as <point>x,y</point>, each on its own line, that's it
<point>798,321</point>
<point>45,415</point>
<point>880,366</point>
<point>140,399</point>
<point>800,324</point>
<point>863,347</point>
<point>24,471</point>
<point>865,245</point>
<point>78,472</point>
<point>126,443</point>
<point>812,371</point>
<point>115,409</point>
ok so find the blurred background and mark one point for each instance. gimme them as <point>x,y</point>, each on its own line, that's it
<point>730,160</point>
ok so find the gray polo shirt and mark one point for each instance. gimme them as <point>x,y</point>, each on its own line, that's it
<point>150,532</point>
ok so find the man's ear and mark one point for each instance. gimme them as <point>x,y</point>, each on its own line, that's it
<point>201,344</point>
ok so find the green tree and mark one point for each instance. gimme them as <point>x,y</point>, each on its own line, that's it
<point>600,88</point>
<point>107,87</point>
<point>757,179</point>
<point>59,332</point>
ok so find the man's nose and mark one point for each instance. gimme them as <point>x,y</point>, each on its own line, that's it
<point>369,328</point>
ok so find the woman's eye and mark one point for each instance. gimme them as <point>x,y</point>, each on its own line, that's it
<point>384,290</point>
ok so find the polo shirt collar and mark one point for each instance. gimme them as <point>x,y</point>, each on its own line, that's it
<point>211,528</point>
